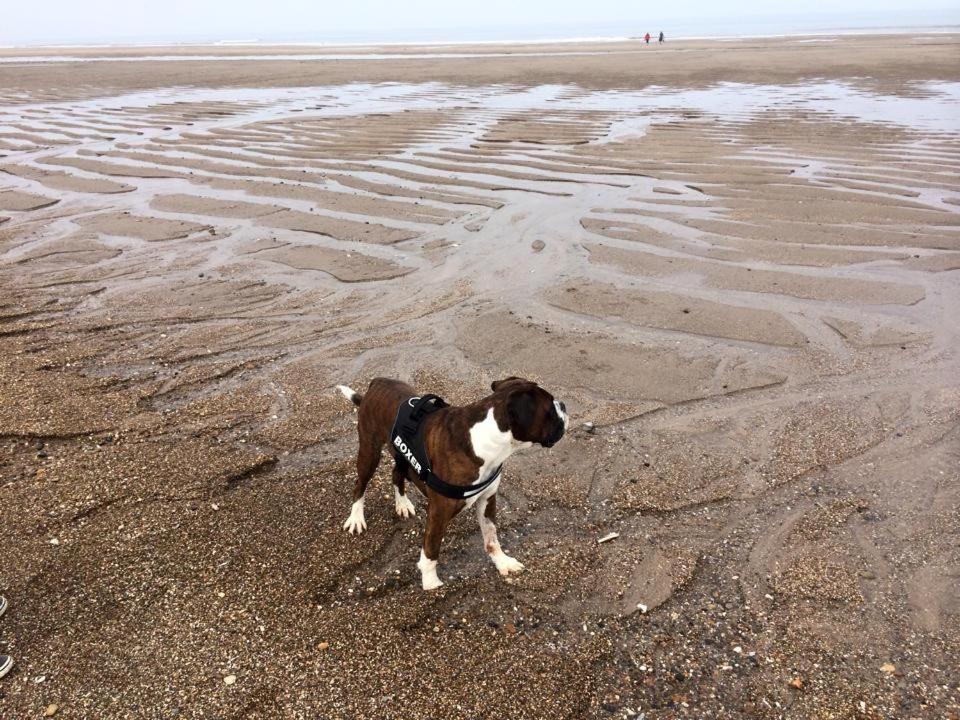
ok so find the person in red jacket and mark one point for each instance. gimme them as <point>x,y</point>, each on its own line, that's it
<point>646,38</point>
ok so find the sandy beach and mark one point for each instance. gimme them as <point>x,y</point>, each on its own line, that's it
<point>738,262</point>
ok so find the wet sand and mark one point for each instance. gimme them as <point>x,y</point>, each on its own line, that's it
<point>737,260</point>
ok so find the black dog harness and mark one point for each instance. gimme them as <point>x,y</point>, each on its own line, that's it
<point>408,443</point>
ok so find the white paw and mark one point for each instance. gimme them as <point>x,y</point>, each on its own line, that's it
<point>431,583</point>
<point>428,572</point>
<point>506,564</point>
<point>355,524</point>
<point>405,508</point>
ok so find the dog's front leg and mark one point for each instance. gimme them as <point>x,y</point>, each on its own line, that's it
<point>487,516</point>
<point>437,520</point>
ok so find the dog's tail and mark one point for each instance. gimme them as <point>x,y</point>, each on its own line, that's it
<point>354,397</point>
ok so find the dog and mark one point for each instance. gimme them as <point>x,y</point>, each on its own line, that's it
<point>465,447</point>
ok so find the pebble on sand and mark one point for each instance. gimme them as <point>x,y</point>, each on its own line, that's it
<point>51,710</point>
<point>888,667</point>
<point>796,683</point>
<point>229,679</point>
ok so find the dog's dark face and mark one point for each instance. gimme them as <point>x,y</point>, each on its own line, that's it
<point>532,413</point>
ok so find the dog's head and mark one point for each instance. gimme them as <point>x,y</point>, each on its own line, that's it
<point>532,414</point>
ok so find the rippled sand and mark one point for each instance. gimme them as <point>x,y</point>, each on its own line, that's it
<point>738,261</point>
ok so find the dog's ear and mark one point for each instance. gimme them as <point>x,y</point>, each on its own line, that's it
<point>522,413</point>
<point>497,383</point>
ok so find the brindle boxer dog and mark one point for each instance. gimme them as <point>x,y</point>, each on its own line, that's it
<point>465,446</point>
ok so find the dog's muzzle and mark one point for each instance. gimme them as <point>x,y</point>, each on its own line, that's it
<point>560,426</point>
<point>556,435</point>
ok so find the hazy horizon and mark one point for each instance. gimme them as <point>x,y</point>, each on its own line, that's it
<point>371,21</point>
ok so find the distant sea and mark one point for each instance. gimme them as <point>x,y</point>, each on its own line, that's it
<point>805,24</point>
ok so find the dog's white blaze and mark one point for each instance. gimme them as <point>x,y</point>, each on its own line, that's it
<point>403,504</point>
<point>355,523</point>
<point>428,572</point>
<point>562,413</point>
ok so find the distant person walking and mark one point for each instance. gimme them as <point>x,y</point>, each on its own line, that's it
<point>661,38</point>
<point>646,38</point>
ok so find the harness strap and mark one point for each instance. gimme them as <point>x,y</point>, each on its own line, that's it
<point>457,492</point>
<point>422,406</point>
<point>408,437</point>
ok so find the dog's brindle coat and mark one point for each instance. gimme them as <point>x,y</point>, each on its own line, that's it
<point>465,444</point>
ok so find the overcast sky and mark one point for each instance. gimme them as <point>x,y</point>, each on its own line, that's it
<point>91,21</point>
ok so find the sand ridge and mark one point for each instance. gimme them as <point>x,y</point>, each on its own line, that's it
<point>736,261</point>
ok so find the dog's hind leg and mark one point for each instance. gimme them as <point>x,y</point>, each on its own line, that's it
<point>404,506</point>
<point>487,516</point>
<point>368,458</point>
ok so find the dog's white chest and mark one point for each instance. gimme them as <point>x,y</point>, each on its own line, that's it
<point>493,446</point>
